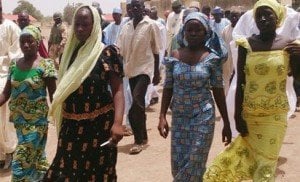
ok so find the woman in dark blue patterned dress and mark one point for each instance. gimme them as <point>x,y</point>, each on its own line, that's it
<point>86,112</point>
<point>192,73</point>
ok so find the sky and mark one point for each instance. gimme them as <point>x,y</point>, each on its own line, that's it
<point>48,7</point>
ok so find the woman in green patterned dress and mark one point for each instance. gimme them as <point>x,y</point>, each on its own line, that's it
<point>28,80</point>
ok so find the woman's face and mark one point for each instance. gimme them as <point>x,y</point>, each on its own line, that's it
<point>28,44</point>
<point>265,19</point>
<point>195,33</point>
<point>83,24</point>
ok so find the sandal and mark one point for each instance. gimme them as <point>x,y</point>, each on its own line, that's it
<point>136,149</point>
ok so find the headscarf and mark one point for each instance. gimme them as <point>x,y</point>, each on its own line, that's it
<point>213,42</point>
<point>71,77</point>
<point>275,6</point>
<point>33,31</point>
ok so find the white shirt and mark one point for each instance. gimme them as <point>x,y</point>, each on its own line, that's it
<point>218,27</point>
<point>163,38</point>
<point>111,33</point>
<point>174,23</point>
<point>246,25</point>
<point>9,45</point>
<point>137,46</point>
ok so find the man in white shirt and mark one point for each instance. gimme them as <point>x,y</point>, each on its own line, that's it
<point>154,16</point>
<point>139,45</point>
<point>235,14</point>
<point>152,95</point>
<point>112,31</point>
<point>219,22</point>
<point>9,49</point>
<point>174,22</point>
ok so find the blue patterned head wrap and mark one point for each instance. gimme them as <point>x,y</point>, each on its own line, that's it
<point>213,42</point>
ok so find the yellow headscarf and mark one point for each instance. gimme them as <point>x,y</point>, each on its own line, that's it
<point>279,9</point>
<point>69,79</point>
<point>33,31</point>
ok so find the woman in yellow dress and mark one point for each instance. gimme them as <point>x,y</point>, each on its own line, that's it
<point>264,61</point>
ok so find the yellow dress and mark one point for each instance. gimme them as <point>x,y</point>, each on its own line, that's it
<point>265,108</point>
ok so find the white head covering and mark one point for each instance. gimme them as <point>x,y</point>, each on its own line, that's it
<point>117,10</point>
<point>128,1</point>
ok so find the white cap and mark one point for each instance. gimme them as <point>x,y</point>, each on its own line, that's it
<point>117,10</point>
<point>128,1</point>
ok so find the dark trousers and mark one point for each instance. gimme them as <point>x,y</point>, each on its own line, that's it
<point>297,87</point>
<point>137,112</point>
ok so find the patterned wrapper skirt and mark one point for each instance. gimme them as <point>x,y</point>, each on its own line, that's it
<point>253,157</point>
<point>79,156</point>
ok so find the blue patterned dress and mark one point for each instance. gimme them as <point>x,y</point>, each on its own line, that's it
<point>29,109</point>
<point>193,114</point>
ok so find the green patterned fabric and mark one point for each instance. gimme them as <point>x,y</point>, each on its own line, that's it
<point>28,106</point>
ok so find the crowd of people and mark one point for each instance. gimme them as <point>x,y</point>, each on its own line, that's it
<point>96,80</point>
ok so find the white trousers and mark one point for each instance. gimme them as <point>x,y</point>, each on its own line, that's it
<point>8,138</point>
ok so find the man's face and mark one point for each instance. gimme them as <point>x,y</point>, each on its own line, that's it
<point>153,14</point>
<point>117,18</point>
<point>218,17</point>
<point>137,8</point>
<point>234,17</point>
<point>57,20</point>
<point>176,9</point>
<point>23,20</point>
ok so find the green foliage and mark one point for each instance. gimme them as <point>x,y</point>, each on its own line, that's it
<point>25,5</point>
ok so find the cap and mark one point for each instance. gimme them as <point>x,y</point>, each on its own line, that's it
<point>217,10</point>
<point>57,15</point>
<point>128,1</point>
<point>117,10</point>
<point>176,3</point>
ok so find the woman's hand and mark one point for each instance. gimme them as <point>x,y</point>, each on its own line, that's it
<point>241,126</point>
<point>163,127</point>
<point>226,134</point>
<point>116,133</point>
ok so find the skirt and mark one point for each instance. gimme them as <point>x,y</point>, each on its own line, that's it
<point>79,156</point>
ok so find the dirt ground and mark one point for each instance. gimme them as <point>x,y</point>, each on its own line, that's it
<point>153,163</point>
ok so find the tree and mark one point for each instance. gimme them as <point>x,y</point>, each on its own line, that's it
<point>25,5</point>
<point>69,11</point>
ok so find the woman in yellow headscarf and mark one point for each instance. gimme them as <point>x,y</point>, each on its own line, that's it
<point>87,114</point>
<point>261,102</point>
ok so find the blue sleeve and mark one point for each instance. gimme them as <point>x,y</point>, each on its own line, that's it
<point>169,65</point>
<point>216,78</point>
